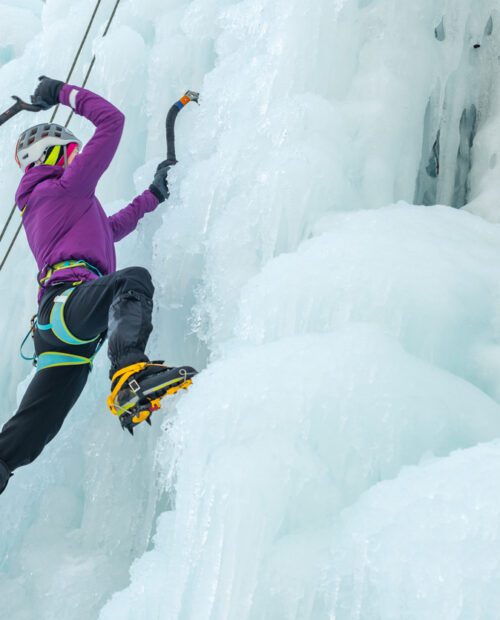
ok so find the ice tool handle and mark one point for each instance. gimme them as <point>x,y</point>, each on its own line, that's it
<point>189,96</point>
<point>19,106</point>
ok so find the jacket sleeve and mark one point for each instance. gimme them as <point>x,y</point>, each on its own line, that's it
<point>82,176</point>
<point>125,221</point>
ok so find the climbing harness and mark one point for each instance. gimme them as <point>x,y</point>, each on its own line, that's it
<point>57,324</point>
<point>21,105</point>
<point>51,359</point>
<point>143,404</point>
<point>48,271</point>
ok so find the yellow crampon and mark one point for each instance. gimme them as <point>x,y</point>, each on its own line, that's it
<point>132,416</point>
<point>123,376</point>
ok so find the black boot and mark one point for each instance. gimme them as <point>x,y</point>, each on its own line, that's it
<point>5,474</point>
<point>136,390</point>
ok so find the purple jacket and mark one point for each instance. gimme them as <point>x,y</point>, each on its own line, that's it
<point>63,219</point>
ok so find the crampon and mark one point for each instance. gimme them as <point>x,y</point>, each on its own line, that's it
<point>138,390</point>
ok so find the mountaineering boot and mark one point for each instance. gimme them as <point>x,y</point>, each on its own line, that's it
<point>5,474</point>
<point>136,390</point>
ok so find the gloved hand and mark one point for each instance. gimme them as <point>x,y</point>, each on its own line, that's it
<point>159,186</point>
<point>47,93</point>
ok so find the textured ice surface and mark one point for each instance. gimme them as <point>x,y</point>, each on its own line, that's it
<point>17,26</point>
<point>264,470</point>
<point>337,456</point>
<point>424,545</point>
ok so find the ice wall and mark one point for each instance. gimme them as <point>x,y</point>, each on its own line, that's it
<point>337,453</point>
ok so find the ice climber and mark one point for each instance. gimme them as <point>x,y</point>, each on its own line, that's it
<point>82,298</point>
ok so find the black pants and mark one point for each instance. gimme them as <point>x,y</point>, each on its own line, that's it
<point>119,305</point>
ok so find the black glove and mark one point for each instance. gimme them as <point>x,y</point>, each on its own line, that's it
<point>46,93</point>
<point>159,186</point>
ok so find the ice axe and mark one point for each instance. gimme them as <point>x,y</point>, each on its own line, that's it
<point>19,106</point>
<point>189,96</point>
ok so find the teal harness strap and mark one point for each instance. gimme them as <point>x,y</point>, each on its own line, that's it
<point>58,324</point>
<point>50,359</point>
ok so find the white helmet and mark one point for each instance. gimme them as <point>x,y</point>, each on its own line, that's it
<point>34,142</point>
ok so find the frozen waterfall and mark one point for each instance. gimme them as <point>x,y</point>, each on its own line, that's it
<point>330,258</point>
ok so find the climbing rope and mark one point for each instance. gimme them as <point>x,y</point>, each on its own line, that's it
<point>108,25</point>
<point>96,8</point>
<point>92,63</point>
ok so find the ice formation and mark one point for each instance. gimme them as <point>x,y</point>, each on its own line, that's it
<point>337,456</point>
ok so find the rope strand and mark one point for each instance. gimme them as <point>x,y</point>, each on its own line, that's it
<point>11,245</point>
<point>75,60</point>
<point>108,25</point>
<point>6,225</point>
<point>92,63</point>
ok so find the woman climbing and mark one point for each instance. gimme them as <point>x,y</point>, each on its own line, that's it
<point>82,298</point>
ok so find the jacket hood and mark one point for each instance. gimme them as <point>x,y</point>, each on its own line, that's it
<point>32,178</point>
